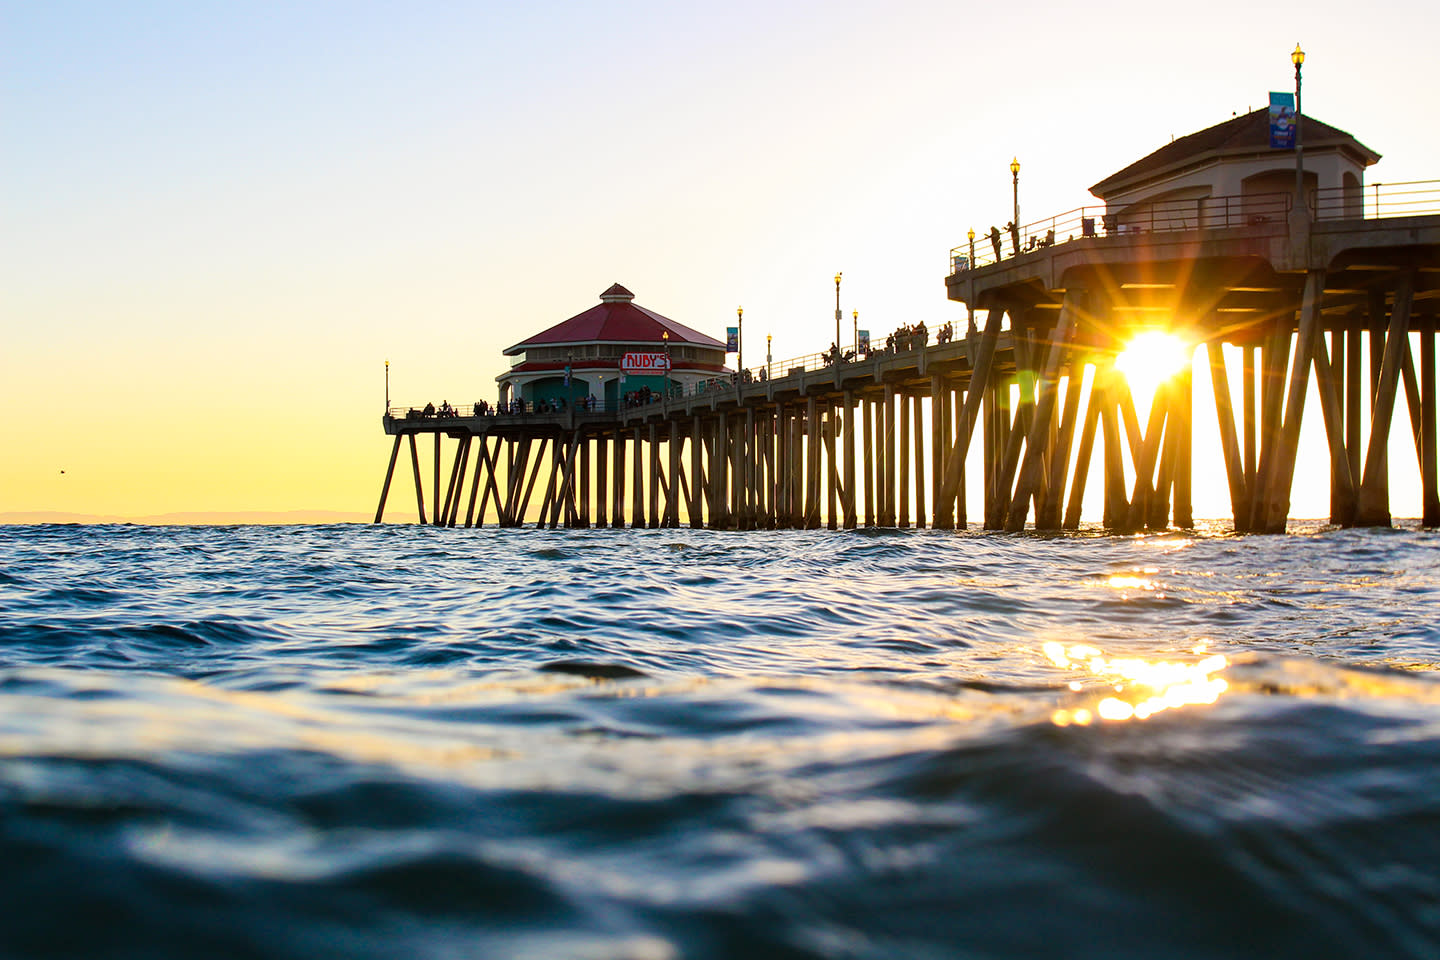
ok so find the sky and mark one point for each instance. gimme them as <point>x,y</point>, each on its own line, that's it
<point>217,221</point>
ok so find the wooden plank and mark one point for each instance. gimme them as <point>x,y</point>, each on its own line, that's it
<point>697,477</point>
<point>989,445</point>
<point>1272,410</point>
<point>1235,471</point>
<point>617,478</point>
<point>1117,508</point>
<point>475,484</point>
<point>1144,487</point>
<point>492,486</point>
<point>1340,512</point>
<point>1412,397</point>
<point>1429,489</point>
<point>602,481</point>
<point>389,473</point>
<point>1134,438</point>
<point>812,463</point>
<point>462,462</point>
<point>1353,397</point>
<point>1184,429</point>
<point>419,487</point>
<point>919,421</point>
<point>887,459</point>
<point>655,477</point>
<point>582,498</point>
<point>514,479</point>
<point>672,501</point>
<point>1374,506</point>
<point>902,519</point>
<point>637,481</point>
<point>1038,435</point>
<point>1342,483</point>
<point>1378,322</point>
<point>564,495</point>
<point>1252,457</point>
<point>1157,513</point>
<point>435,505</point>
<point>1059,466</point>
<point>1086,451</point>
<point>849,427</point>
<point>519,519</point>
<point>754,468</point>
<point>832,473</point>
<point>719,474</point>
<point>1282,477</point>
<point>979,381</point>
<point>460,482</point>
<point>551,484</point>
<point>954,405</point>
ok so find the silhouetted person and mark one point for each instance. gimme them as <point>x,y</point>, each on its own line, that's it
<point>1014,229</point>
<point>995,240</point>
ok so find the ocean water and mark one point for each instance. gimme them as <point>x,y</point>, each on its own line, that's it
<point>349,741</point>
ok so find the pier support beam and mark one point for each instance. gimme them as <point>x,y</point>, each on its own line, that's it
<point>389,473</point>
<point>1374,505</point>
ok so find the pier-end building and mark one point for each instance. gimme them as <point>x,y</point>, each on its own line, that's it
<point>615,349</point>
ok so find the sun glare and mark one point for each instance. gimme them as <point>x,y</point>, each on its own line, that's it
<point>1151,358</point>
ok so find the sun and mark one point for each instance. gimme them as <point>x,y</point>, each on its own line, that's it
<point>1151,358</point>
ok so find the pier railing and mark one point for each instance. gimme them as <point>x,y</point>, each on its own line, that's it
<point>1265,210</point>
<point>895,343</point>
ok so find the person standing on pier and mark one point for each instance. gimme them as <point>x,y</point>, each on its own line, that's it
<point>995,240</point>
<point>1014,229</point>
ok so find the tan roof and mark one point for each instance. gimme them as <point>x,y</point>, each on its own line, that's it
<point>1247,134</point>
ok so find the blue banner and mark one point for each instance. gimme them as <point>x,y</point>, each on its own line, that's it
<point>862,341</point>
<point>732,339</point>
<point>1282,121</point>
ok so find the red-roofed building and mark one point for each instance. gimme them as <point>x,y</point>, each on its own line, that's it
<point>617,347</point>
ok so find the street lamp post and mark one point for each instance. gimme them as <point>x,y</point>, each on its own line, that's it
<point>767,357</point>
<point>837,321</point>
<point>387,387</point>
<point>1015,184</point>
<point>971,236</point>
<point>1298,58</point>
<point>855,332</point>
<point>665,335</point>
<point>739,346</point>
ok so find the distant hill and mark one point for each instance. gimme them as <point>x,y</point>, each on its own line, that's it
<point>191,517</point>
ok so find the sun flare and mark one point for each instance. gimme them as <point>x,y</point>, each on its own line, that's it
<point>1151,358</point>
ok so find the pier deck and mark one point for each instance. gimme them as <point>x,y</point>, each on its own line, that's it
<point>874,441</point>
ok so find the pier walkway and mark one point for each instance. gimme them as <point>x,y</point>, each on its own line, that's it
<point>882,440</point>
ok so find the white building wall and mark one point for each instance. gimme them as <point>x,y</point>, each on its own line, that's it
<point>1212,194</point>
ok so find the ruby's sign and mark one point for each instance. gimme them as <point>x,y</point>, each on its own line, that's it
<point>644,363</point>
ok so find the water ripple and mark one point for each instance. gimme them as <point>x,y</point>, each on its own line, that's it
<point>409,742</point>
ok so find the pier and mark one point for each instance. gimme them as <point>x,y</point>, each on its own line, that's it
<point>1309,290</point>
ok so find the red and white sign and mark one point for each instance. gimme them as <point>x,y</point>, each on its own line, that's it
<point>644,363</point>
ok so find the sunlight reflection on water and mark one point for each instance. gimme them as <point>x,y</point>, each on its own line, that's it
<point>1142,687</point>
